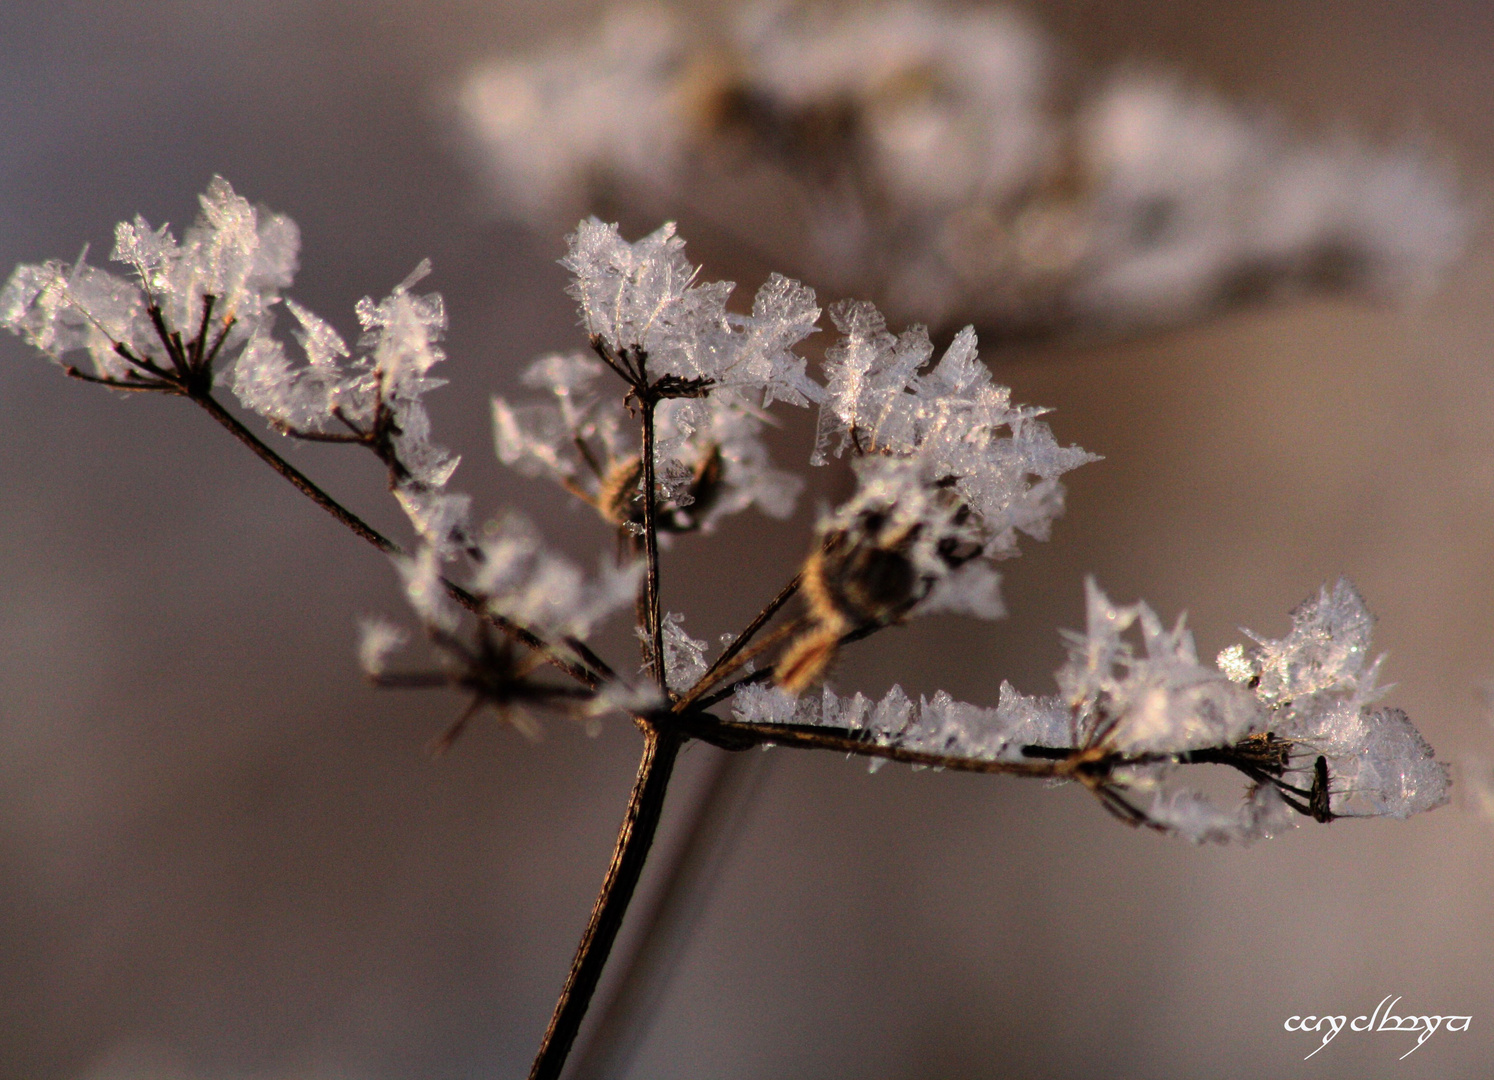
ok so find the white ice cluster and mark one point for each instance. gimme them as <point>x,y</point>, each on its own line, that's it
<point>1148,711</point>
<point>949,469</point>
<point>933,158</point>
<point>939,725</point>
<point>584,439</point>
<point>643,297</point>
<point>377,391</point>
<point>1159,699</point>
<point>378,639</point>
<point>684,656</point>
<point>641,302</point>
<point>211,297</point>
<point>1319,684</point>
<point>239,255</point>
<point>518,578</point>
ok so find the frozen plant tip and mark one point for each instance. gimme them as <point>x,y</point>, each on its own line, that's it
<point>1125,721</point>
<point>659,431</point>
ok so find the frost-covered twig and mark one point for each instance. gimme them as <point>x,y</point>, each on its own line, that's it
<point>229,269</point>
<point>949,471</point>
<point>1295,716</point>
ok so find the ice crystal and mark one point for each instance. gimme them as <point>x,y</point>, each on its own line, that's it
<point>240,256</point>
<point>643,297</point>
<point>520,580</point>
<point>439,517</point>
<point>1328,649</point>
<point>377,639</point>
<point>938,726</point>
<point>1320,682</point>
<point>426,590</point>
<point>938,160</point>
<point>1262,814</point>
<point>684,656</point>
<point>948,469</point>
<point>709,452</point>
<point>1136,705</point>
<point>1158,699</point>
<point>377,392</point>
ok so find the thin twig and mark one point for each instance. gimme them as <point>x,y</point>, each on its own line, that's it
<point>788,629</point>
<point>297,478</point>
<point>739,735</point>
<point>640,822</point>
<point>116,384</point>
<point>729,653</point>
<point>663,928</point>
<point>767,673</point>
<point>579,671</point>
<point>589,657</point>
<point>655,623</point>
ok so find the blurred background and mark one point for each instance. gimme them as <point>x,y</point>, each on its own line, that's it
<point>223,856</point>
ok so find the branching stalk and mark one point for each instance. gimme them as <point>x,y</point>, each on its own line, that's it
<point>634,838</point>
<point>664,927</point>
<point>714,672</point>
<point>581,672</point>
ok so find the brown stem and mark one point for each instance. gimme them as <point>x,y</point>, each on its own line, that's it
<point>663,928</point>
<point>787,630</point>
<point>297,478</point>
<point>765,674</point>
<point>713,673</point>
<point>580,672</point>
<point>640,821</point>
<point>655,624</point>
<point>737,735</point>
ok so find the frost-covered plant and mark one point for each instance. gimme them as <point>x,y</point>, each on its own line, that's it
<point>660,430</point>
<point>936,159</point>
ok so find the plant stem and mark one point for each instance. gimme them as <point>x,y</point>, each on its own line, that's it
<point>788,629</point>
<point>737,735</point>
<point>580,672</point>
<point>655,624</point>
<point>297,478</point>
<point>713,673</point>
<point>663,929</point>
<point>634,838</point>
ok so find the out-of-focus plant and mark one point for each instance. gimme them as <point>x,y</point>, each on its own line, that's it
<point>657,427</point>
<point>939,161</point>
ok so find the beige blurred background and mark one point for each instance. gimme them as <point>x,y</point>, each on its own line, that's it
<point>222,856</point>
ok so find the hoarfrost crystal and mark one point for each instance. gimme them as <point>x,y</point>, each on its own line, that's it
<point>643,297</point>
<point>1127,719</point>
<point>948,469</point>
<point>539,590</point>
<point>239,256</point>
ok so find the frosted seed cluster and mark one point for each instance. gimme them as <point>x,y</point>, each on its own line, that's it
<point>240,256</point>
<point>948,472</point>
<point>1134,716</point>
